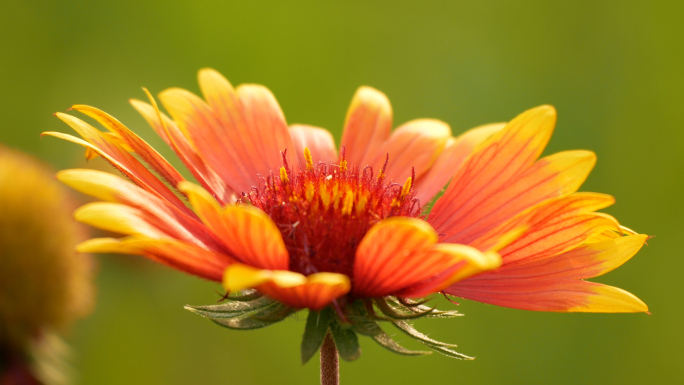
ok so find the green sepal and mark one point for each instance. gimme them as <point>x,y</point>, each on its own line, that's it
<point>388,343</point>
<point>401,312</point>
<point>364,325</point>
<point>317,325</point>
<point>407,304</point>
<point>265,317</point>
<point>412,332</point>
<point>231,309</point>
<point>345,339</point>
<point>245,295</point>
<point>254,314</point>
<point>437,346</point>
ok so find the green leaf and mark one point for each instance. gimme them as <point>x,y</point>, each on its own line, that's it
<point>346,341</point>
<point>317,324</point>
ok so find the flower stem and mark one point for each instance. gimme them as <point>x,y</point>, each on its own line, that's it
<point>330,362</point>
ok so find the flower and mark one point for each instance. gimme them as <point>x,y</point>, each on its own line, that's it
<point>44,285</point>
<point>278,209</point>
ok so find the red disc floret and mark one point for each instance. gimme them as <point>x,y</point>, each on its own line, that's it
<point>324,211</point>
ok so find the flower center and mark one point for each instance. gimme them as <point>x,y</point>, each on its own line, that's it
<point>325,210</point>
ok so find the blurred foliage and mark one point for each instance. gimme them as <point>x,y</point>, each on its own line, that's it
<point>613,69</point>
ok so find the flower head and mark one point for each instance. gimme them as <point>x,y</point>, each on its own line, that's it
<point>280,210</point>
<point>44,285</point>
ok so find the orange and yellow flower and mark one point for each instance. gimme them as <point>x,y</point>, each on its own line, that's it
<point>278,208</point>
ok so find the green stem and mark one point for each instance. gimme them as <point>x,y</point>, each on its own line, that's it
<point>330,362</point>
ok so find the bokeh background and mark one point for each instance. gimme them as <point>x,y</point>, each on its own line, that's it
<point>613,69</point>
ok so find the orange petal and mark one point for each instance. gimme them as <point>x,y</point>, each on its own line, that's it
<point>179,255</point>
<point>315,291</point>
<point>486,193</point>
<point>565,295</point>
<point>544,212</point>
<point>265,123</point>
<point>367,127</point>
<point>455,152</point>
<point>494,166</point>
<point>239,132</point>
<point>586,261</point>
<point>118,218</point>
<point>139,146</point>
<point>553,283</point>
<point>465,262</point>
<point>389,254</point>
<point>215,143</point>
<point>172,135</point>
<point>249,234</point>
<point>556,236</point>
<point>319,141</point>
<point>118,157</point>
<point>416,145</point>
<point>553,226</point>
<point>156,212</point>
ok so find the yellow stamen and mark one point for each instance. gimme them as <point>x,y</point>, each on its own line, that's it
<point>348,202</point>
<point>309,159</point>
<point>407,187</point>
<point>336,195</point>
<point>343,165</point>
<point>325,196</point>
<point>283,175</point>
<point>404,192</point>
<point>309,191</point>
<point>361,204</point>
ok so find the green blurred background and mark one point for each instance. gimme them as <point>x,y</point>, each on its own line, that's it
<point>613,70</point>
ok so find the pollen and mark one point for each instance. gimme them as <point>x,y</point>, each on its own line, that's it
<point>283,175</point>
<point>313,206</point>
<point>309,159</point>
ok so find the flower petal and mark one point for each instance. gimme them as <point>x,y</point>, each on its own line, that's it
<point>214,143</point>
<point>556,236</point>
<point>558,295</point>
<point>465,262</point>
<point>493,166</point>
<point>137,145</point>
<point>544,212</point>
<point>416,145</point>
<point>314,291</point>
<point>155,211</point>
<point>553,283</point>
<point>390,251</point>
<point>367,127</point>
<point>172,135</point>
<point>586,261</point>
<point>179,255</point>
<point>319,141</point>
<point>486,192</point>
<point>455,152</point>
<point>119,157</point>
<point>249,234</point>
<point>118,218</point>
<point>265,123</point>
